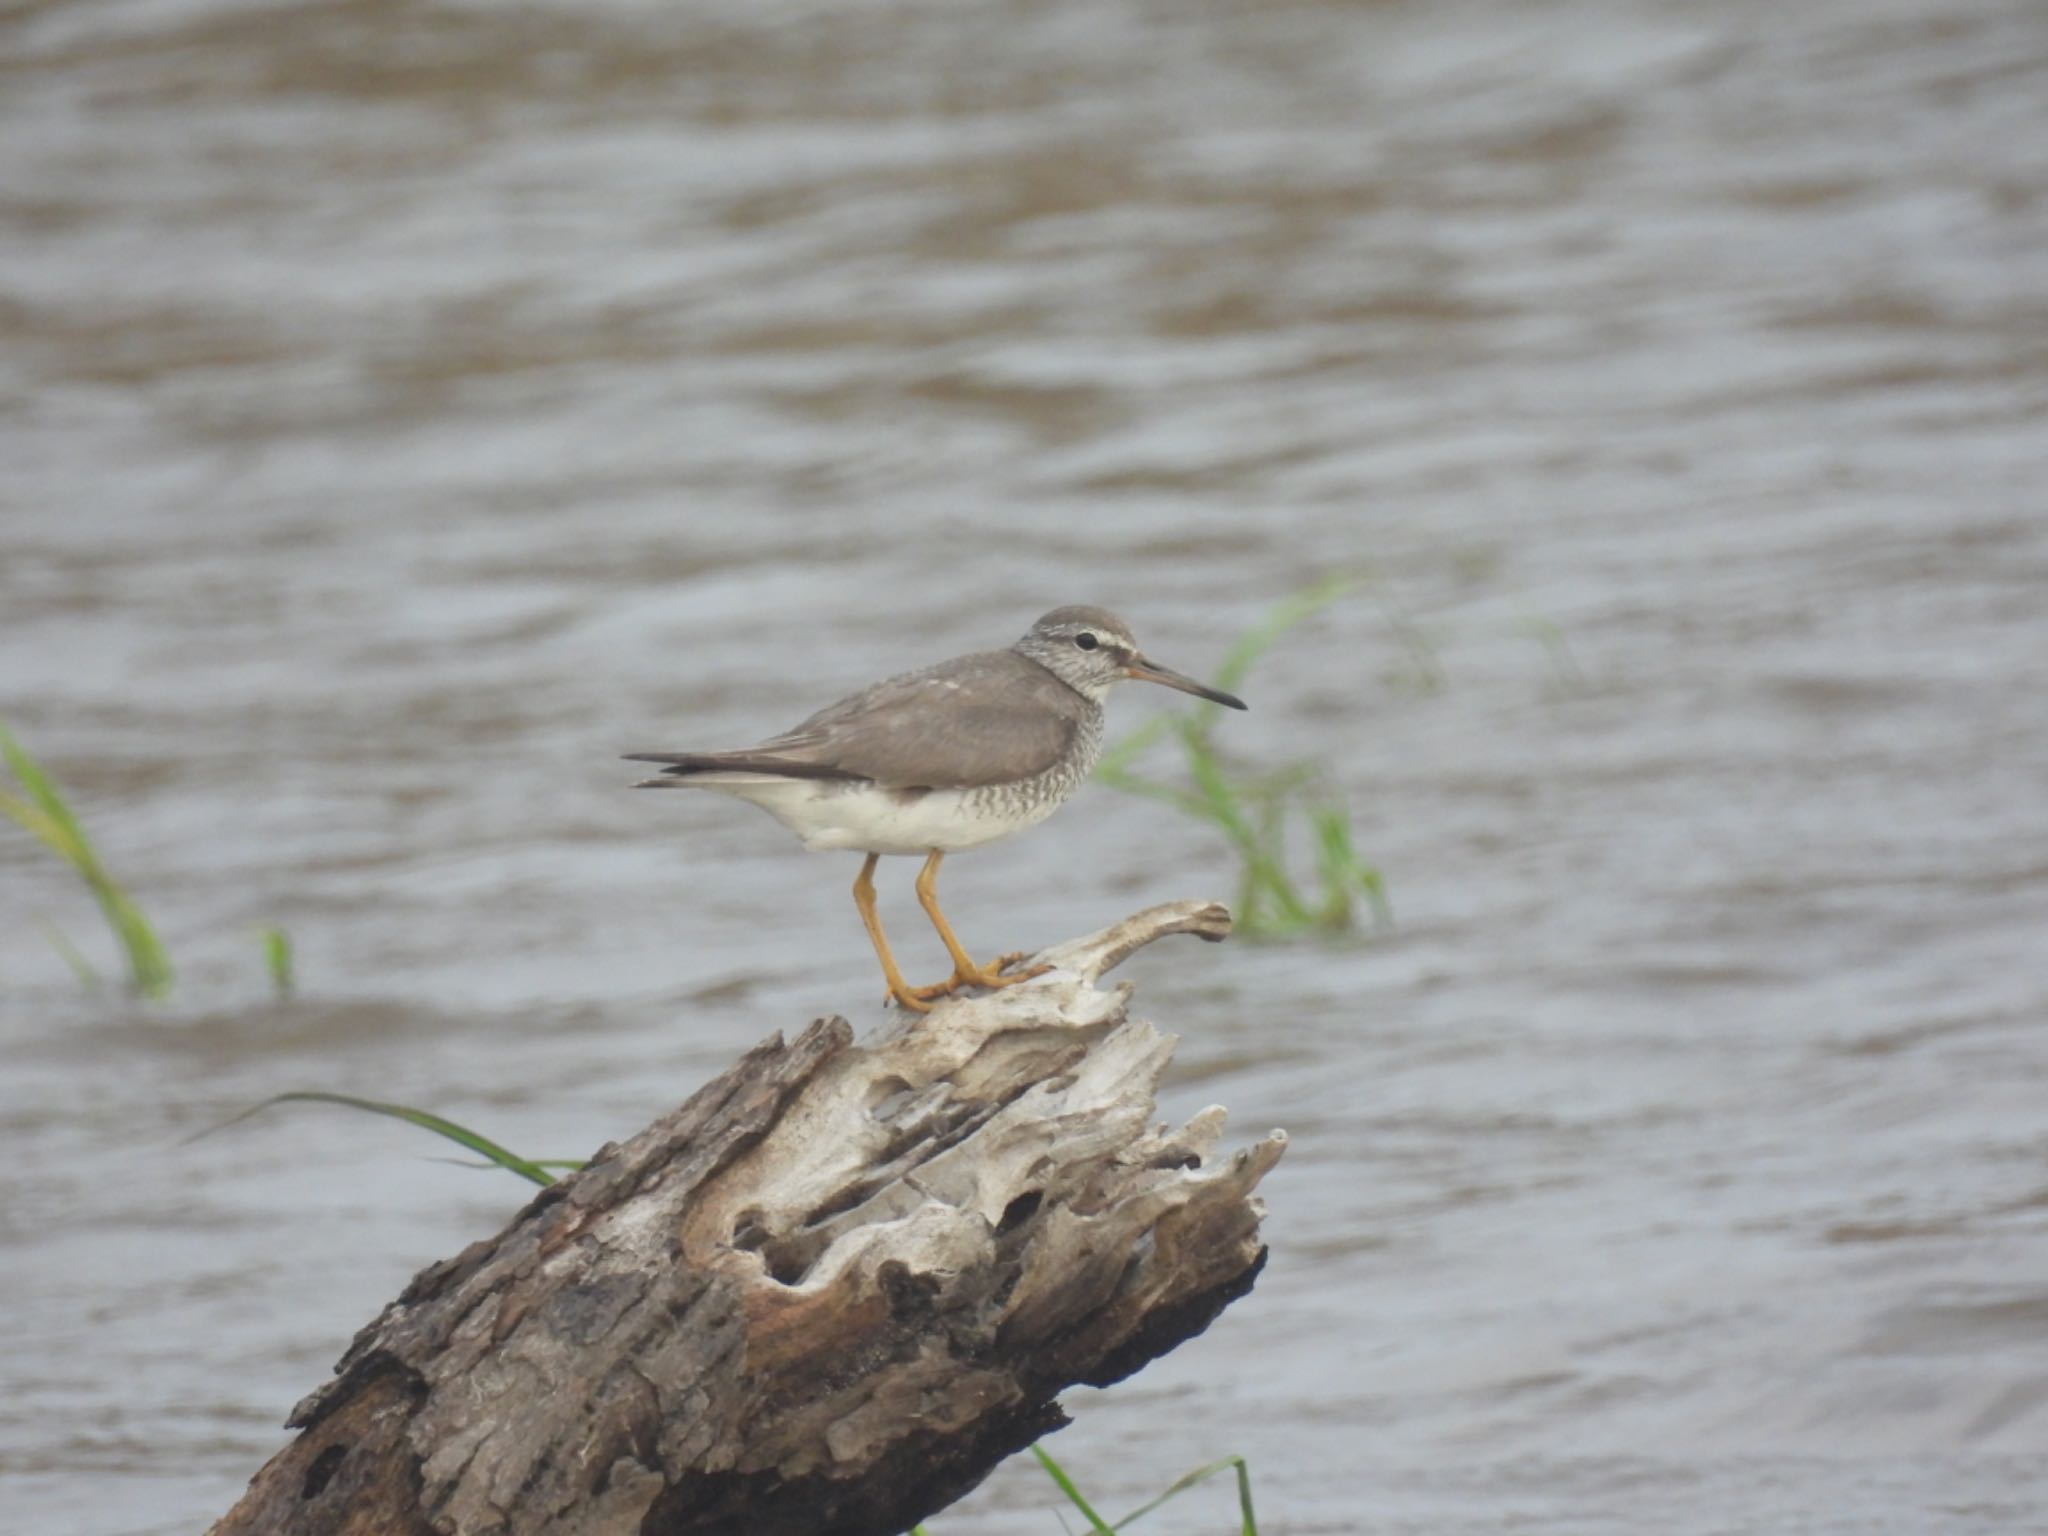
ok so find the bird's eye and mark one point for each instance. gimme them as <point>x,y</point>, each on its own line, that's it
<point>1086,641</point>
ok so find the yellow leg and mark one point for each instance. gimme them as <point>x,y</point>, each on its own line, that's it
<point>965,972</point>
<point>864,898</point>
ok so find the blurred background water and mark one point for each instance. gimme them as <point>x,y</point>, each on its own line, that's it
<point>406,406</point>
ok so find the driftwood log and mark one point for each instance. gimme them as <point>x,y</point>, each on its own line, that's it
<point>824,1297</point>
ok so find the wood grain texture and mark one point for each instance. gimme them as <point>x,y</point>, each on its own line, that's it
<point>826,1295</point>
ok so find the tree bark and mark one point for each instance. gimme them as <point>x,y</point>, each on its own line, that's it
<point>824,1297</point>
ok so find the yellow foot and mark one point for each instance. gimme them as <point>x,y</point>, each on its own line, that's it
<point>912,998</point>
<point>997,974</point>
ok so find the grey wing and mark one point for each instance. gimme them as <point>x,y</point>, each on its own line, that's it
<point>979,720</point>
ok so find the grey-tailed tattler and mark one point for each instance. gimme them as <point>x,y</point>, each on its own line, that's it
<point>949,757</point>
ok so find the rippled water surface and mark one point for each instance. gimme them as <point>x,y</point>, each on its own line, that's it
<point>407,407</point>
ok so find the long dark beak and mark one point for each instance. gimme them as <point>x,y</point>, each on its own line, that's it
<point>1151,672</point>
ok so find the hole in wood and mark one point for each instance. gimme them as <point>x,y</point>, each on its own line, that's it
<point>888,1097</point>
<point>1020,1210</point>
<point>788,1262</point>
<point>910,1295</point>
<point>325,1465</point>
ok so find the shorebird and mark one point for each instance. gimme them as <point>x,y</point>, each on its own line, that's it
<point>934,761</point>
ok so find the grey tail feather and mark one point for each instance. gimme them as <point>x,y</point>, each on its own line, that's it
<point>683,764</point>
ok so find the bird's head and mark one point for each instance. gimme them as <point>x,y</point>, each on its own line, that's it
<point>1091,651</point>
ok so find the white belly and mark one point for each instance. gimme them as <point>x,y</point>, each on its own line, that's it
<point>865,819</point>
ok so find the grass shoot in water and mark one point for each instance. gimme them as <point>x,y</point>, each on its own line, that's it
<point>1259,815</point>
<point>440,1125</point>
<point>277,959</point>
<point>1248,1522</point>
<point>41,809</point>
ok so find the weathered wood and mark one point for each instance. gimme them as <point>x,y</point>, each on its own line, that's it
<point>824,1297</point>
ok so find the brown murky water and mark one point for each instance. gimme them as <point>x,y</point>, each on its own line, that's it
<point>405,408</point>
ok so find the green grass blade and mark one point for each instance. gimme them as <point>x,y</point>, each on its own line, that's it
<point>1287,614</point>
<point>1250,1525</point>
<point>1219,802</point>
<point>483,1146</point>
<point>1256,812</point>
<point>1058,1474</point>
<point>1374,884</point>
<point>1336,862</point>
<point>39,826</point>
<point>277,959</point>
<point>566,1164</point>
<point>149,967</point>
<point>46,816</point>
<point>1237,661</point>
<point>1343,871</point>
<point>74,957</point>
<point>1272,907</point>
<point>57,826</point>
<point>1263,863</point>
